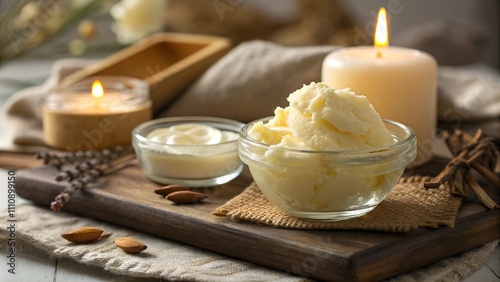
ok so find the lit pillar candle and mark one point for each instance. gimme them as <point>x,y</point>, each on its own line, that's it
<point>88,115</point>
<point>399,82</point>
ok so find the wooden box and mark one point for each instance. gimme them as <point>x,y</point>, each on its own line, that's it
<point>168,62</point>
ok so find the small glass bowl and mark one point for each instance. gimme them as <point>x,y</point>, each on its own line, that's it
<point>327,185</point>
<point>189,165</point>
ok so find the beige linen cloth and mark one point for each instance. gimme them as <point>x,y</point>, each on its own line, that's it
<point>41,228</point>
<point>251,80</point>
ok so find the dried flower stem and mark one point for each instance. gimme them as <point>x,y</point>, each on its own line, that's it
<point>58,160</point>
<point>84,167</point>
<point>81,168</point>
<point>89,177</point>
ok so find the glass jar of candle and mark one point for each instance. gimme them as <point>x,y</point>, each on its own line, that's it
<point>95,113</point>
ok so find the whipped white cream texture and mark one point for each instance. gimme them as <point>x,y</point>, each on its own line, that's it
<point>320,118</point>
<point>191,134</point>
<point>190,151</point>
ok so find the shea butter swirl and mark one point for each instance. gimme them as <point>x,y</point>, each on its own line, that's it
<point>191,134</point>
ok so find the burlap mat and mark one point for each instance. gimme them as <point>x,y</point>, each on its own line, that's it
<point>407,207</point>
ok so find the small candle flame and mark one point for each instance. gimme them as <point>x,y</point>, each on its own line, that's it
<point>97,90</point>
<point>381,31</point>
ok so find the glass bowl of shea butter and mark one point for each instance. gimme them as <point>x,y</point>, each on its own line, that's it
<point>327,156</point>
<point>191,151</point>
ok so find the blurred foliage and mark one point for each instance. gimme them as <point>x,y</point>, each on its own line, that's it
<point>26,24</point>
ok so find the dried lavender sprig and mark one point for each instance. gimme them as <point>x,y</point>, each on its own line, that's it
<point>76,171</point>
<point>90,176</point>
<point>58,160</point>
<point>63,197</point>
<point>105,156</point>
<point>88,167</point>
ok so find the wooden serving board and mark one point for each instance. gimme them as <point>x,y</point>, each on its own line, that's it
<point>126,198</point>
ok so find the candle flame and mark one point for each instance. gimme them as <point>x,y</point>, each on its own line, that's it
<point>381,31</point>
<point>97,90</point>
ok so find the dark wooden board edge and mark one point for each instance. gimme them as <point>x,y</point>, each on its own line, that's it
<point>300,259</point>
<point>445,242</point>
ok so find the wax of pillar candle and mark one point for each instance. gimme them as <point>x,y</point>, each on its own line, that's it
<point>399,82</point>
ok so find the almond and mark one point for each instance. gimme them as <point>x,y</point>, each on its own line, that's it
<point>130,245</point>
<point>105,236</point>
<point>165,190</point>
<point>83,235</point>
<point>186,197</point>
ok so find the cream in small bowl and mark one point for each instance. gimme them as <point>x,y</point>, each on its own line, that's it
<point>192,151</point>
<point>328,185</point>
<point>328,155</point>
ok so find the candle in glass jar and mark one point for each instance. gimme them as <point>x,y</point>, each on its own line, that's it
<point>400,83</point>
<point>95,113</point>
